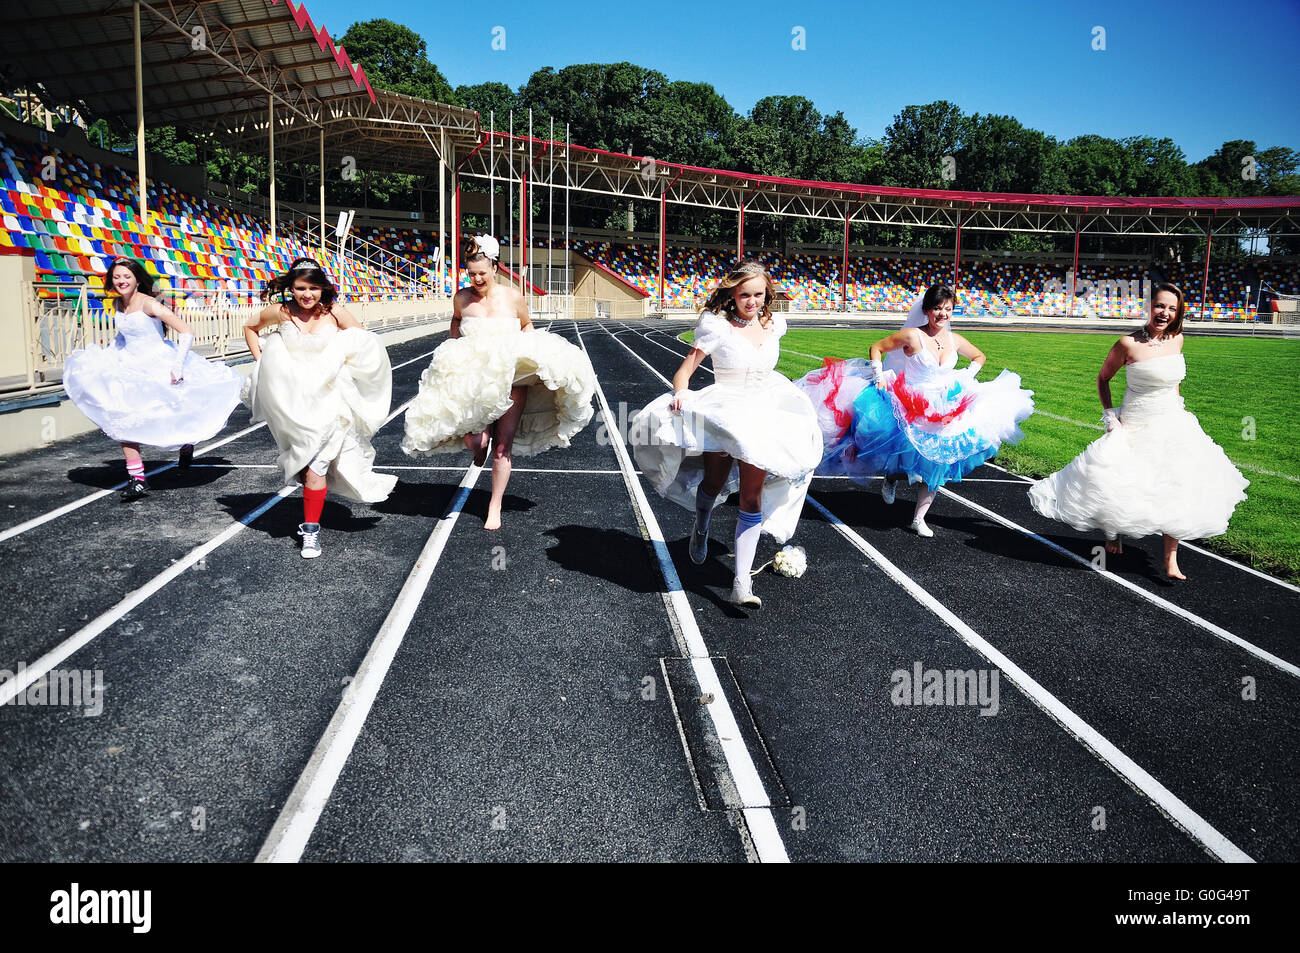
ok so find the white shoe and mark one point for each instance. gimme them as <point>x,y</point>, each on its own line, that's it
<point>888,490</point>
<point>920,529</point>
<point>310,533</point>
<point>742,594</point>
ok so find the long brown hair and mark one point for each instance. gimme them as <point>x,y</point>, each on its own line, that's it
<point>310,270</point>
<point>144,280</point>
<point>1176,325</point>
<point>721,301</point>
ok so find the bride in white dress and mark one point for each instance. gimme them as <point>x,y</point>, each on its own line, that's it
<point>143,389</point>
<point>751,430</point>
<point>1154,470</point>
<point>499,379</point>
<point>323,385</point>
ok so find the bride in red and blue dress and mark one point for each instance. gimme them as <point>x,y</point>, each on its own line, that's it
<point>908,412</point>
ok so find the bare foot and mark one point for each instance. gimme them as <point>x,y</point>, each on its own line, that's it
<point>1114,546</point>
<point>493,519</point>
<point>1172,570</point>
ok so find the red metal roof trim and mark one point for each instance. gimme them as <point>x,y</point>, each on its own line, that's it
<point>304,21</point>
<point>1195,203</point>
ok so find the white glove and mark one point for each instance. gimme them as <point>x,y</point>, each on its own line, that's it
<point>1110,417</point>
<point>877,374</point>
<point>974,368</point>
<point>182,349</point>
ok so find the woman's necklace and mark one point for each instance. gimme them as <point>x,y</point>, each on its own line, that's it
<point>742,322</point>
<point>1152,340</point>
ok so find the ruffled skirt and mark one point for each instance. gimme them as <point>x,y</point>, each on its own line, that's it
<point>1156,473</point>
<point>770,425</point>
<point>935,428</point>
<point>466,388</point>
<point>127,392</point>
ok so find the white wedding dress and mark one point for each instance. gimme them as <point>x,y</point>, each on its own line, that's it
<point>323,395</point>
<point>1158,472</point>
<point>750,411</point>
<point>126,388</point>
<point>466,388</point>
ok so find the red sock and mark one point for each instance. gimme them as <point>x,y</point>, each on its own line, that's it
<point>313,501</point>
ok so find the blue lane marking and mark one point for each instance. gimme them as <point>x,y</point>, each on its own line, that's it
<point>457,501</point>
<point>248,518</point>
<point>671,579</point>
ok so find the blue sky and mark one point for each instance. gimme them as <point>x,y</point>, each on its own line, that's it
<point>1199,72</point>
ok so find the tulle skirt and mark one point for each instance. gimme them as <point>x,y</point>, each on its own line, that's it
<point>1156,473</point>
<point>127,392</point>
<point>765,422</point>
<point>466,388</point>
<point>936,428</point>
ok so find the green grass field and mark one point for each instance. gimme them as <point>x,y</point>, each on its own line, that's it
<point>1241,389</point>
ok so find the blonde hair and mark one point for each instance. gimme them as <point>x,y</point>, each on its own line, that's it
<point>721,301</point>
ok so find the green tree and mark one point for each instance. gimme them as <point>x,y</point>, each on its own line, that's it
<point>917,141</point>
<point>396,58</point>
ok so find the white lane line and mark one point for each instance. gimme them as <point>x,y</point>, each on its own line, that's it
<point>1192,546</point>
<point>384,466</point>
<point>1186,817</point>
<point>1195,825</point>
<point>1017,478</point>
<point>100,623</point>
<point>753,795</point>
<point>1159,601</point>
<point>199,452</point>
<point>44,518</point>
<point>301,812</point>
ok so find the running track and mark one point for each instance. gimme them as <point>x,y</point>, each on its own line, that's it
<point>573,687</point>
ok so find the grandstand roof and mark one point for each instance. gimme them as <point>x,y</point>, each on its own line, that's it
<point>644,177</point>
<point>253,49</point>
<point>204,60</point>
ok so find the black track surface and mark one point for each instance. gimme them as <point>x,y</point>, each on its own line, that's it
<point>514,723</point>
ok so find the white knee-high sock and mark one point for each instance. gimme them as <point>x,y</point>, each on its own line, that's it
<point>923,500</point>
<point>748,527</point>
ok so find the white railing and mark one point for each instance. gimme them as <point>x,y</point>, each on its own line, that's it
<point>64,324</point>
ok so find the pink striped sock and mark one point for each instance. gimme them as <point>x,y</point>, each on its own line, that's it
<point>135,469</point>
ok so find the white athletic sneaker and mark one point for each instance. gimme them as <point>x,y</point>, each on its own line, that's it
<point>310,533</point>
<point>888,490</point>
<point>742,594</point>
<point>920,529</point>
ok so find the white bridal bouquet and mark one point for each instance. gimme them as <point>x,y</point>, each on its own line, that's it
<point>791,561</point>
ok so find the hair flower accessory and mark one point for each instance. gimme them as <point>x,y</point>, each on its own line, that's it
<point>488,246</point>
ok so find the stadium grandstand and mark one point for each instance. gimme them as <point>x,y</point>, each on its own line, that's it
<point>273,84</point>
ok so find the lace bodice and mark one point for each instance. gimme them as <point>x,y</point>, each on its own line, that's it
<point>736,359</point>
